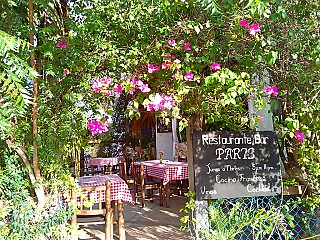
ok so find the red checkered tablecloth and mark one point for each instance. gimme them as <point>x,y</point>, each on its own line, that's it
<point>119,188</point>
<point>105,161</point>
<point>166,171</point>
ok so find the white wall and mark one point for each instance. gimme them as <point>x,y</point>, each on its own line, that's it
<point>165,142</point>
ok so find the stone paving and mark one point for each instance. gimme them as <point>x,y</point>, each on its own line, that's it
<point>152,222</point>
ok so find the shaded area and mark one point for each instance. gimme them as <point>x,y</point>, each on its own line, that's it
<point>151,222</point>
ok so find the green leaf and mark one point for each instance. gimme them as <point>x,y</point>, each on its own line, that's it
<point>272,57</point>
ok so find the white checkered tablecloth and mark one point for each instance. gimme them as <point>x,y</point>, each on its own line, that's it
<point>105,161</point>
<point>119,188</point>
<point>166,171</point>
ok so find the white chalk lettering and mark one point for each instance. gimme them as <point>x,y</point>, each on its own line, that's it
<point>235,153</point>
<point>260,140</point>
<point>265,167</point>
<point>261,188</point>
<point>210,170</point>
<point>244,140</point>
<point>251,179</point>
<point>225,180</point>
<point>204,190</point>
<point>232,169</point>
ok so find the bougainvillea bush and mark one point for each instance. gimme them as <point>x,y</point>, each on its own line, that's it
<point>207,59</point>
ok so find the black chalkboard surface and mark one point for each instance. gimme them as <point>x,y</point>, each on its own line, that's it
<point>236,164</point>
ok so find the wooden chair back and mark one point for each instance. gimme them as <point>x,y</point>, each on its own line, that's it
<point>94,195</point>
<point>141,184</point>
<point>138,172</point>
<point>182,159</point>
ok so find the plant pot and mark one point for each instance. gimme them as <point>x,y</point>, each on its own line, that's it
<point>138,149</point>
<point>294,190</point>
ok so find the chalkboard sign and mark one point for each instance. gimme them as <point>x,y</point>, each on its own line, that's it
<point>236,164</point>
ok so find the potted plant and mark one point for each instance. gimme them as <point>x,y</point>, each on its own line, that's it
<point>291,186</point>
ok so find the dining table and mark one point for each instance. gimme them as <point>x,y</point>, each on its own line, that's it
<point>166,171</point>
<point>109,161</point>
<point>119,191</point>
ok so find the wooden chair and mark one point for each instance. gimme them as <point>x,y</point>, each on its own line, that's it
<point>124,174</point>
<point>93,170</point>
<point>141,184</point>
<point>101,209</point>
<point>182,159</point>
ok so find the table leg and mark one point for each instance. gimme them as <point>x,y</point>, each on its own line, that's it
<point>109,214</point>
<point>113,206</point>
<point>74,224</point>
<point>168,195</point>
<point>122,233</point>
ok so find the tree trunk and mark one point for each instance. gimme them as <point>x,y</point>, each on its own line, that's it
<point>195,124</point>
<point>36,170</point>
<point>8,17</point>
<point>23,154</point>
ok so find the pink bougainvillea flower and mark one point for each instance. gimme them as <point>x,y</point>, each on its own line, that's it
<point>167,101</point>
<point>160,102</point>
<point>106,93</point>
<point>167,56</point>
<point>157,99</point>
<point>150,107</point>
<point>171,42</point>
<point>134,81</point>
<point>65,72</point>
<point>300,136</point>
<point>215,66</point>
<point>187,46</point>
<point>97,127</point>
<point>189,76</point>
<point>145,88</point>
<point>173,56</point>
<point>261,119</point>
<point>152,68</point>
<point>96,85</point>
<point>181,42</point>
<point>138,82</point>
<point>165,65</point>
<point>271,90</point>
<point>254,28</point>
<point>62,44</point>
<point>106,80</point>
<point>80,69</point>
<point>99,83</point>
<point>132,91</point>
<point>118,89</point>
<point>157,102</point>
<point>243,23</point>
<point>177,75</point>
